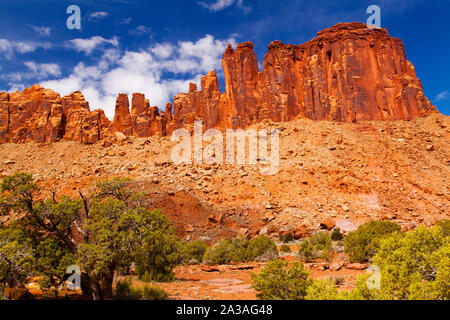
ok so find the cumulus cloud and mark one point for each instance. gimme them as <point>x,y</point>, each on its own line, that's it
<point>9,48</point>
<point>34,71</point>
<point>42,30</point>
<point>90,44</point>
<point>219,5</point>
<point>159,72</point>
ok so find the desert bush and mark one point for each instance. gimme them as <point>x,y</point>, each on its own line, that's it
<point>327,255</point>
<point>320,241</point>
<point>415,265</point>
<point>285,248</point>
<point>306,251</point>
<point>286,238</point>
<point>241,250</point>
<point>337,235</point>
<point>445,225</point>
<point>124,290</point>
<point>259,246</point>
<point>154,293</point>
<point>226,251</point>
<point>363,243</point>
<point>276,281</point>
<point>322,290</point>
<point>194,251</point>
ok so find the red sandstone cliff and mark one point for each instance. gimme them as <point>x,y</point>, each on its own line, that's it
<point>347,73</point>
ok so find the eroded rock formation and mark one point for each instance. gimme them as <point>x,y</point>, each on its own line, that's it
<point>347,73</point>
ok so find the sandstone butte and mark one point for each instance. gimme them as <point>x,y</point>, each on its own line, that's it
<point>348,73</point>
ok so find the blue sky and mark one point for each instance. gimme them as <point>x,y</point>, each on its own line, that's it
<point>158,47</point>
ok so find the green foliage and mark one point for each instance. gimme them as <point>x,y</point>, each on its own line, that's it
<point>363,243</point>
<point>317,246</point>
<point>154,293</point>
<point>337,235</point>
<point>259,246</point>
<point>16,256</point>
<point>278,282</point>
<point>18,191</point>
<point>51,261</point>
<point>116,188</point>
<point>445,225</point>
<point>124,290</point>
<point>226,251</point>
<point>286,238</point>
<point>306,251</point>
<point>240,250</point>
<point>320,241</point>
<point>415,265</point>
<point>194,251</point>
<point>285,248</point>
<point>322,290</point>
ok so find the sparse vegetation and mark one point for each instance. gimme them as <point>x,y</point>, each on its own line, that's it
<point>194,251</point>
<point>279,282</point>
<point>124,290</point>
<point>337,235</point>
<point>285,248</point>
<point>286,238</point>
<point>241,250</point>
<point>363,243</point>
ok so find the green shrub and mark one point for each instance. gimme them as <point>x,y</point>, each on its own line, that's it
<point>285,248</point>
<point>124,290</point>
<point>259,246</point>
<point>241,250</point>
<point>306,251</point>
<point>226,251</point>
<point>415,265</point>
<point>194,251</point>
<point>286,238</point>
<point>320,241</point>
<point>322,290</point>
<point>154,293</point>
<point>278,282</point>
<point>445,225</point>
<point>337,235</point>
<point>327,255</point>
<point>363,243</point>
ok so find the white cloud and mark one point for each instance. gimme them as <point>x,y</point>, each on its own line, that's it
<point>9,48</point>
<point>98,15</point>
<point>442,96</point>
<point>90,44</point>
<point>35,71</point>
<point>219,5</point>
<point>42,30</point>
<point>141,30</point>
<point>159,72</point>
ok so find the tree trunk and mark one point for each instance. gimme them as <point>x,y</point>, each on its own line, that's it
<point>101,286</point>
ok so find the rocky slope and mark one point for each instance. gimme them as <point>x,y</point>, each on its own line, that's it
<point>330,174</point>
<point>347,73</point>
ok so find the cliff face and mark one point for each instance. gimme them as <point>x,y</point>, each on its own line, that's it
<point>347,73</point>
